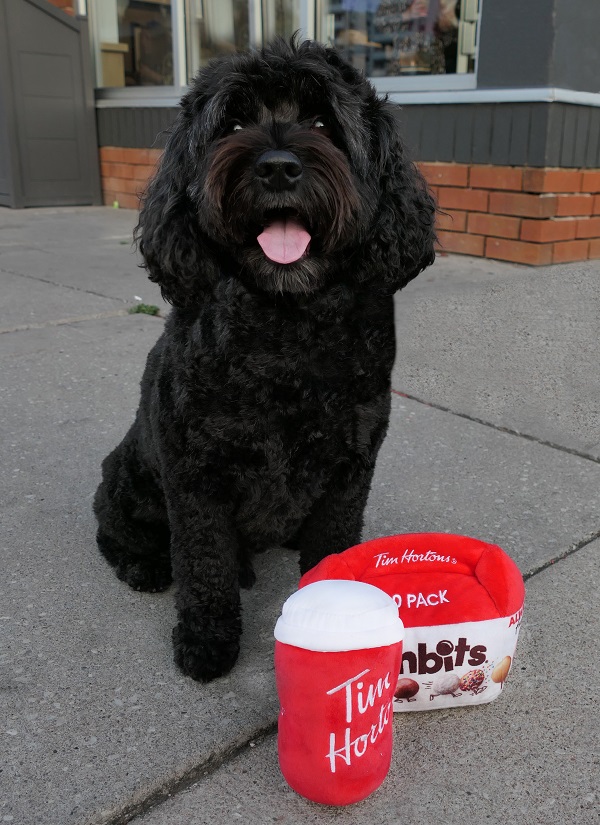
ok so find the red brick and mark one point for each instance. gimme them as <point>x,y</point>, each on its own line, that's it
<point>452,220</point>
<point>549,230</point>
<point>572,205</point>
<point>114,154</point>
<point>496,177</point>
<point>143,173</point>
<point>588,228</point>
<point>473,200</point>
<point>121,154</point>
<point>132,187</point>
<point>590,180</point>
<point>461,242</point>
<point>534,254</point>
<point>594,250</point>
<point>551,180</point>
<point>526,206</point>
<point>128,201</point>
<point>148,156</point>
<point>570,251</point>
<point>596,207</point>
<point>445,174</point>
<point>110,184</point>
<point>121,170</point>
<point>499,226</point>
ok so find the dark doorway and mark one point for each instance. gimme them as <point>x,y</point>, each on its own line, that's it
<point>48,143</point>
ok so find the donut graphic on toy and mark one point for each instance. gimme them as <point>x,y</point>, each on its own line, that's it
<point>406,689</point>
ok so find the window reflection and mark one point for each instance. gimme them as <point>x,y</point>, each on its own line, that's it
<point>135,42</point>
<point>396,37</point>
<point>216,27</point>
<point>280,17</point>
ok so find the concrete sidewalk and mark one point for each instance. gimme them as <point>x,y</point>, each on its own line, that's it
<point>495,433</point>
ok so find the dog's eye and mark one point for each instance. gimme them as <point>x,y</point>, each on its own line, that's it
<point>321,126</point>
<point>237,127</point>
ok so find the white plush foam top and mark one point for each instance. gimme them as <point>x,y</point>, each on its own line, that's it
<point>335,615</point>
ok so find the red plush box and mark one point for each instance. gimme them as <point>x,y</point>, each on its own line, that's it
<point>461,602</point>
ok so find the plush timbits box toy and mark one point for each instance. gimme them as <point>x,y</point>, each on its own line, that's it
<point>461,602</point>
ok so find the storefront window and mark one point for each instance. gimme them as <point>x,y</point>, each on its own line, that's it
<point>280,17</point>
<point>134,42</point>
<point>387,38</point>
<point>216,27</point>
<point>139,42</point>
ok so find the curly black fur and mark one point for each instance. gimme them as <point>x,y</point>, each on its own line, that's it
<point>266,399</point>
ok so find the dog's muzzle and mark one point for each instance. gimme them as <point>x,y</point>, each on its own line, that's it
<point>284,239</point>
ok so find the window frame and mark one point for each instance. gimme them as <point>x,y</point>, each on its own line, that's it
<point>310,14</point>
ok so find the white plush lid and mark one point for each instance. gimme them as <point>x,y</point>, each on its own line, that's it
<point>335,615</point>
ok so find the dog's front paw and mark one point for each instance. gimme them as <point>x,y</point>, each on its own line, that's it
<point>206,649</point>
<point>145,578</point>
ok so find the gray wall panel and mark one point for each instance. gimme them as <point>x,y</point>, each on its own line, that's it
<point>518,148</point>
<point>538,133</point>
<point>6,118</point>
<point>569,132</point>
<point>592,155</point>
<point>501,131</point>
<point>576,56</point>
<point>516,42</point>
<point>482,133</point>
<point>428,148</point>
<point>140,127</point>
<point>582,132</point>
<point>520,134</point>
<point>554,135</point>
<point>49,150</point>
<point>528,43</point>
<point>410,125</point>
<point>463,143</point>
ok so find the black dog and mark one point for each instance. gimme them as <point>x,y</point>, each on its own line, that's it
<point>281,221</point>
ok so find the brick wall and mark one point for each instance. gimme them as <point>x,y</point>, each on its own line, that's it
<point>525,215</point>
<point>520,214</point>
<point>125,173</point>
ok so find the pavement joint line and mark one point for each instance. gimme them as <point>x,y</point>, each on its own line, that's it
<point>498,427</point>
<point>131,811</point>
<point>66,321</point>
<point>64,286</point>
<point>569,552</point>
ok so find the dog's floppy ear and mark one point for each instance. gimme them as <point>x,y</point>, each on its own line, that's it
<point>168,234</point>
<point>404,238</point>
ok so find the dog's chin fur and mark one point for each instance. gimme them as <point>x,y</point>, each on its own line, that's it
<point>301,277</point>
<point>267,397</point>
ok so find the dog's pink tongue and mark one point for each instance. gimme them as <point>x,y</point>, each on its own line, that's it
<point>284,241</point>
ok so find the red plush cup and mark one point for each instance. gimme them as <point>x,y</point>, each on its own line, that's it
<point>337,656</point>
<point>461,602</point>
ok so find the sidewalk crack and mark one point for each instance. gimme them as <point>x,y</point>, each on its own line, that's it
<point>499,428</point>
<point>65,321</point>
<point>175,785</point>
<point>64,286</point>
<point>569,552</point>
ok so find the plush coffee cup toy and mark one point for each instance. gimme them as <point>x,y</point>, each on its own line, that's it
<point>461,602</point>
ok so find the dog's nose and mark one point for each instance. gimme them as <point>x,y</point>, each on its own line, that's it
<point>278,169</point>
